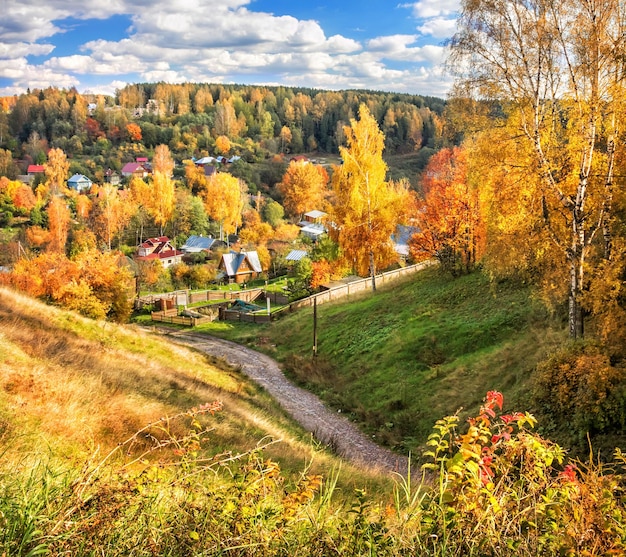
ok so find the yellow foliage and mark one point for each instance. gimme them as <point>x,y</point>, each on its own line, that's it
<point>303,187</point>
<point>367,209</point>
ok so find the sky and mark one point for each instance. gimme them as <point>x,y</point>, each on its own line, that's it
<point>99,46</point>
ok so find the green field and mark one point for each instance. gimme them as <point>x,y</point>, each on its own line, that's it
<point>415,351</point>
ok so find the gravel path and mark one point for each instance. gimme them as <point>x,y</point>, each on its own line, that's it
<point>327,426</point>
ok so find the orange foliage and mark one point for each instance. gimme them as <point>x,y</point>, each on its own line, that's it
<point>83,206</point>
<point>303,187</point>
<point>133,131</point>
<point>57,170</point>
<point>450,224</point>
<point>58,224</point>
<point>286,232</point>
<point>37,237</point>
<point>254,231</point>
<point>20,194</point>
<point>94,283</point>
<point>222,144</point>
<point>24,198</point>
<point>162,161</point>
<point>321,273</point>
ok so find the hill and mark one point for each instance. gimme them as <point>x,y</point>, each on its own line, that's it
<point>415,351</point>
<point>111,445</point>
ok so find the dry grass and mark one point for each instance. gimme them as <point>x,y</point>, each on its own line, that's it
<point>69,385</point>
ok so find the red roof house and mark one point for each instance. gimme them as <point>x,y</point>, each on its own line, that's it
<point>160,249</point>
<point>36,169</point>
<point>134,169</point>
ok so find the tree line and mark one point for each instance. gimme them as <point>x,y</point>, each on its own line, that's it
<point>190,117</point>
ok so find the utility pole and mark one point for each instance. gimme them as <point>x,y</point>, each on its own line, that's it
<point>315,327</point>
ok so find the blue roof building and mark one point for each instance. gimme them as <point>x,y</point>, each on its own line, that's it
<point>79,182</point>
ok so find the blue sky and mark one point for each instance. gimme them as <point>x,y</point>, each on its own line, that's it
<point>98,46</point>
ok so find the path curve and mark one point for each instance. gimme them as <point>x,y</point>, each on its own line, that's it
<point>328,427</point>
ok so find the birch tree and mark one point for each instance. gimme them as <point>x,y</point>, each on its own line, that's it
<point>558,69</point>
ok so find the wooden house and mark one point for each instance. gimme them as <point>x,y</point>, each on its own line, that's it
<point>240,267</point>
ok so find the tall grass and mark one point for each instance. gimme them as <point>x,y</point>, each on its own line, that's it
<point>498,490</point>
<point>71,386</point>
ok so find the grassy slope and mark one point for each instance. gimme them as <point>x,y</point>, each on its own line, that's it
<point>71,387</point>
<point>415,351</point>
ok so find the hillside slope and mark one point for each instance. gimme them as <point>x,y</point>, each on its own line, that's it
<point>415,351</point>
<point>71,386</point>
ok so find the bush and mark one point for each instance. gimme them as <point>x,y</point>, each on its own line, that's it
<point>579,387</point>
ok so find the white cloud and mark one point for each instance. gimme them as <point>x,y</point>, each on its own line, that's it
<point>8,51</point>
<point>217,40</point>
<point>398,47</point>
<point>433,8</point>
<point>170,76</point>
<point>438,27</point>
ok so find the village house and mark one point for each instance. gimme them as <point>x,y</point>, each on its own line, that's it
<point>112,177</point>
<point>34,169</point>
<point>79,183</point>
<point>159,249</point>
<point>312,225</point>
<point>240,267</point>
<point>134,169</point>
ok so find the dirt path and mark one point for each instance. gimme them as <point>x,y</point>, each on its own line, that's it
<point>327,426</point>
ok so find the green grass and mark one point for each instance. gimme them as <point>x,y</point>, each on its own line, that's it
<point>415,351</point>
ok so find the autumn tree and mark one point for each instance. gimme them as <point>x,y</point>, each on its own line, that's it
<point>158,200</point>
<point>58,223</point>
<point>367,208</point>
<point>557,68</point>
<point>110,213</point>
<point>56,170</point>
<point>303,187</point>
<point>223,197</point>
<point>7,167</point>
<point>94,284</point>
<point>448,215</point>
<point>222,144</point>
<point>83,205</point>
<point>189,215</point>
<point>161,203</point>
<point>133,131</point>
<point>285,138</point>
<point>19,194</point>
<point>255,232</point>
<point>162,160</point>
<point>273,213</point>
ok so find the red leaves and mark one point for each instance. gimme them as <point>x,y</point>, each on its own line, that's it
<point>494,398</point>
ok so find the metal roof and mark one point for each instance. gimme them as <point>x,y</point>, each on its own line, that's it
<point>198,243</point>
<point>296,255</point>
<point>315,214</point>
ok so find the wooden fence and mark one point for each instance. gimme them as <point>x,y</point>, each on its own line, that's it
<point>171,316</point>
<point>335,293</point>
<point>230,315</point>
<point>186,297</point>
<point>214,295</point>
<point>351,288</point>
